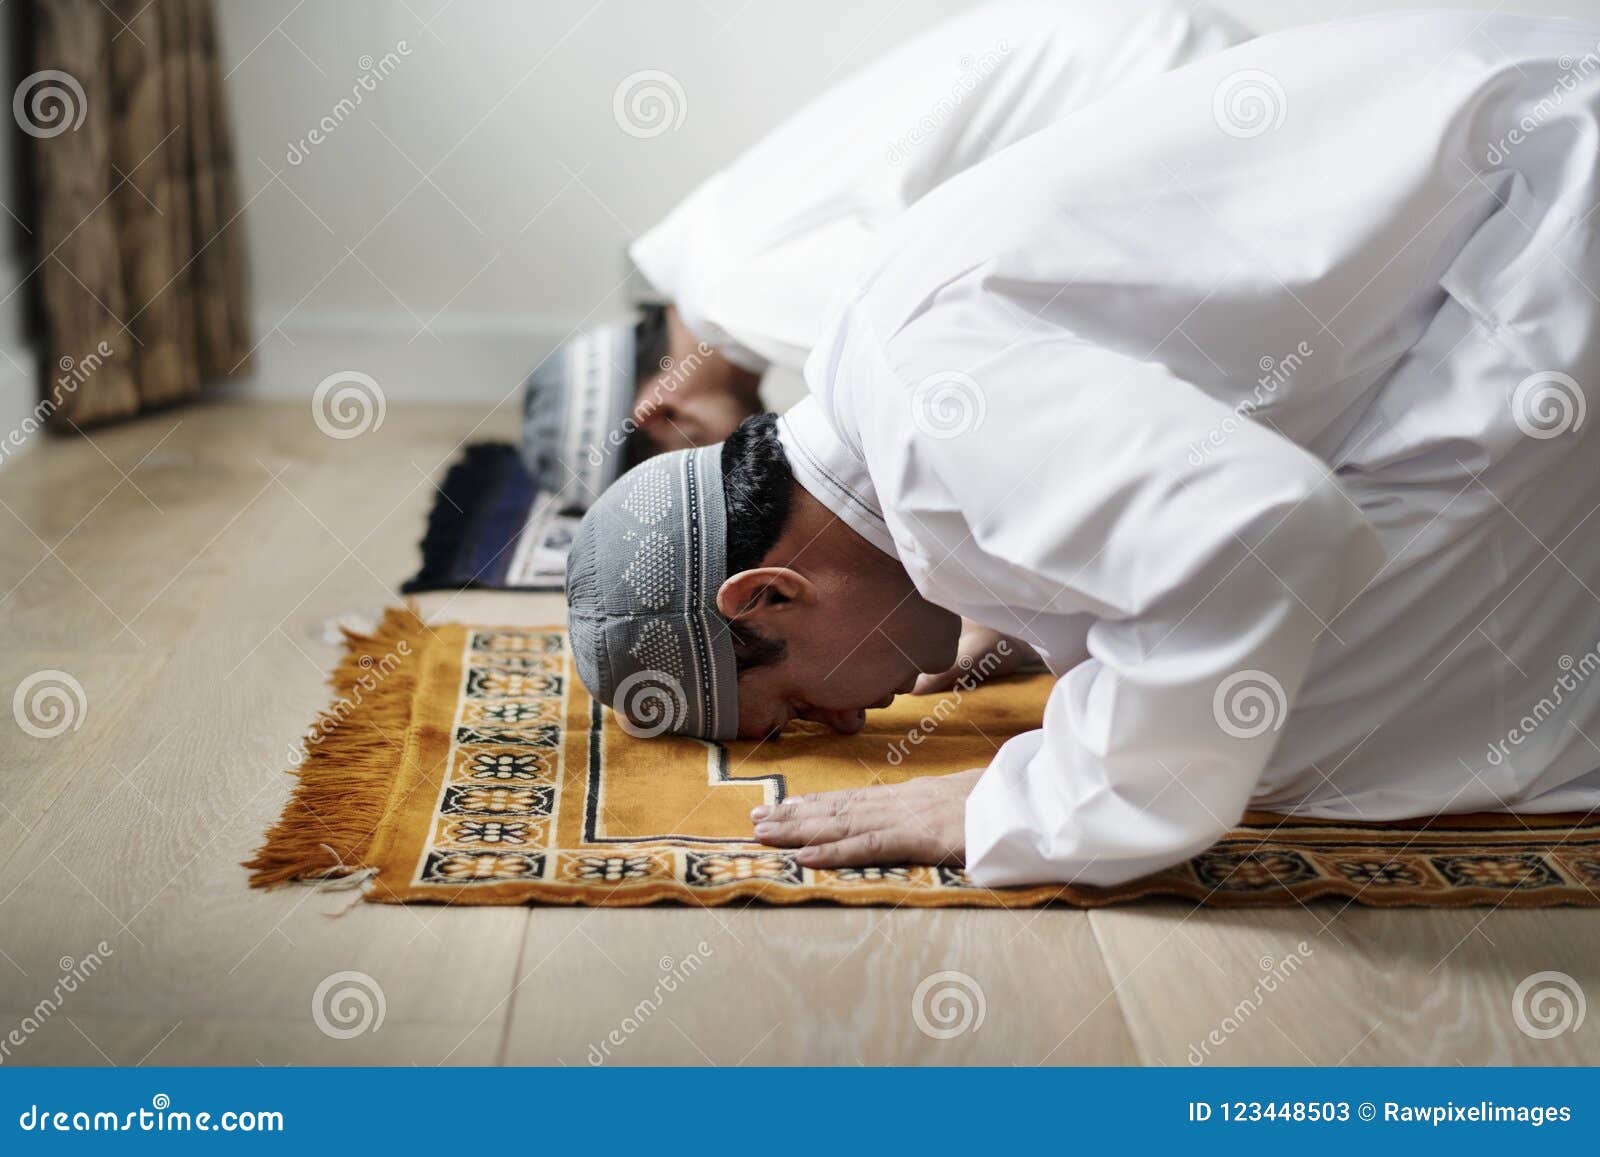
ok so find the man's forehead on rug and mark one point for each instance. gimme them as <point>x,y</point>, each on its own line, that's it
<point>642,582</point>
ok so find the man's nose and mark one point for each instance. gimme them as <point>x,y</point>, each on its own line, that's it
<point>844,722</point>
<point>665,428</point>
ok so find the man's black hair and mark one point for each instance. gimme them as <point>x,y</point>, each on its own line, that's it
<point>755,490</point>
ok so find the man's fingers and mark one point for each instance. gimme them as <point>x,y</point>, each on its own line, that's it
<point>825,803</point>
<point>918,822</point>
<point>873,847</point>
<point>829,823</point>
<point>866,825</point>
<point>821,829</point>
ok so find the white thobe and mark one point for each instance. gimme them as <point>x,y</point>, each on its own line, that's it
<point>754,255</point>
<point>1256,401</point>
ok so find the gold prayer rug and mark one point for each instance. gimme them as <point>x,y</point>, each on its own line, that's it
<point>467,765</point>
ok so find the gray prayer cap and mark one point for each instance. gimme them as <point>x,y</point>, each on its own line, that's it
<point>574,405</point>
<point>642,581</point>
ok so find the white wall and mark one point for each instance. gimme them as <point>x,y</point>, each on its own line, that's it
<point>484,186</point>
<point>474,206</point>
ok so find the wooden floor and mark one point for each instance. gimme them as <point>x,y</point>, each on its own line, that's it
<point>187,570</point>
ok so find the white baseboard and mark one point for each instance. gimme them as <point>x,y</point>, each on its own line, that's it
<point>19,365</point>
<point>476,360</point>
<point>19,397</point>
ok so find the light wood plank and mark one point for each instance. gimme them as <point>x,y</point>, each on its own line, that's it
<point>814,985</point>
<point>237,660</point>
<point>1329,986</point>
<point>79,701</point>
<point>69,1038</point>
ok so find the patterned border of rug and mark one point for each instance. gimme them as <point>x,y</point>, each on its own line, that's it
<point>468,765</point>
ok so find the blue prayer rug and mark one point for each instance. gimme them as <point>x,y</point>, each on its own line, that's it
<point>492,529</point>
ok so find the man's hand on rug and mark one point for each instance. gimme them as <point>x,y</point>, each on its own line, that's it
<point>921,821</point>
<point>982,654</point>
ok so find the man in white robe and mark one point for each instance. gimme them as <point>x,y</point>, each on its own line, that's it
<point>1256,402</point>
<point>753,257</point>
<point>747,263</point>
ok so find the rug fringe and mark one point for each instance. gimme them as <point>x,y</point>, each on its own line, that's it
<point>329,823</point>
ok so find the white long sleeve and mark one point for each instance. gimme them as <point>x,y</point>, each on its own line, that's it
<point>1153,747</point>
<point>1210,578</point>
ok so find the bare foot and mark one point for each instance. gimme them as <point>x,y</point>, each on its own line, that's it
<point>983,654</point>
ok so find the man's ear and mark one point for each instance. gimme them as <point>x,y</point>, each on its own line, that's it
<point>753,594</point>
